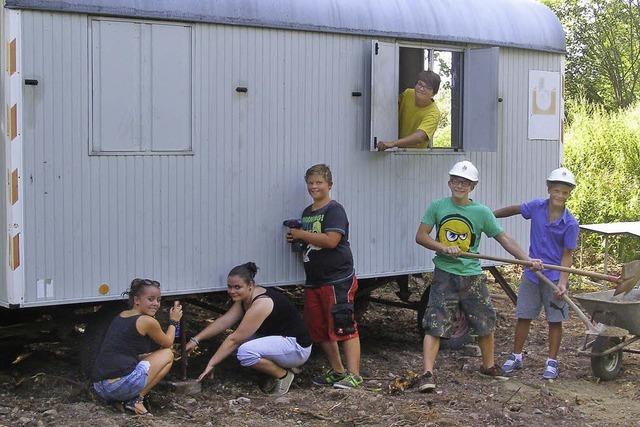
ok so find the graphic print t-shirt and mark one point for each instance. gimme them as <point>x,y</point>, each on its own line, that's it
<point>460,226</point>
<point>327,266</point>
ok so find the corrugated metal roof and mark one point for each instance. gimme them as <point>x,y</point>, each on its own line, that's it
<point>515,23</point>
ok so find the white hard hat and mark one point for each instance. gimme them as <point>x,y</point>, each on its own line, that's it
<point>465,169</point>
<point>562,175</point>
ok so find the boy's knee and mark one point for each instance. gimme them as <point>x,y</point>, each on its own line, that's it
<point>247,356</point>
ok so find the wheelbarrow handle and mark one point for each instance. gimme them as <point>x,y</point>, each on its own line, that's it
<point>592,274</point>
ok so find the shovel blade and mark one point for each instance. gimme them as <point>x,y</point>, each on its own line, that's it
<point>630,277</point>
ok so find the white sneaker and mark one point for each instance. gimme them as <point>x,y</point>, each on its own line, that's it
<point>511,364</point>
<point>551,371</point>
<point>281,386</point>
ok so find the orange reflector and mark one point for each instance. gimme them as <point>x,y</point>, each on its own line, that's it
<point>12,57</point>
<point>14,251</point>
<point>103,289</point>
<point>13,194</point>
<point>13,122</point>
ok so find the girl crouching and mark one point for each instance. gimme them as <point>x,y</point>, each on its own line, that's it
<point>126,368</point>
<point>270,338</point>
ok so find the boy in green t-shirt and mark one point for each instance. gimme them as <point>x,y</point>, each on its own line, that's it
<point>458,283</point>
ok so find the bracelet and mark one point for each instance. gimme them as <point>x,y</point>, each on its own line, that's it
<point>195,341</point>
<point>174,322</point>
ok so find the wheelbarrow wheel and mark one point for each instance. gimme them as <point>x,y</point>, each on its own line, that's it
<point>606,367</point>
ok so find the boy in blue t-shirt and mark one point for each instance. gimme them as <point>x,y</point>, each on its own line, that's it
<point>553,237</point>
<point>458,283</point>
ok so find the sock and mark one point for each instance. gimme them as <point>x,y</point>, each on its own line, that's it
<point>518,356</point>
<point>551,360</point>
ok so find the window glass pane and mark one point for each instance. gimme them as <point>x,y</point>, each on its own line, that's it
<point>442,66</point>
<point>116,77</point>
<point>171,87</point>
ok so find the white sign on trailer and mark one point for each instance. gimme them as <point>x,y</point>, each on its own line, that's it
<point>544,105</point>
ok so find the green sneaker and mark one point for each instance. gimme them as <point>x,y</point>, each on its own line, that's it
<point>329,378</point>
<point>349,381</point>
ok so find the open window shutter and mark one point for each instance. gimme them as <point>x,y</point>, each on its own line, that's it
<point>384,92</point>
<point>480,100</point>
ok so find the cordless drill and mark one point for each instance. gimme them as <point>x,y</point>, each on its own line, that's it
<point>296,245</point>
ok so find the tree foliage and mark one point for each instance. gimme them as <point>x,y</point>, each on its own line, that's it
<point>603,50</point>
<point>603,150</point>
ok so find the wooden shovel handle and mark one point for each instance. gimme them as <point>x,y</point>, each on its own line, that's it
<point>592,274</point>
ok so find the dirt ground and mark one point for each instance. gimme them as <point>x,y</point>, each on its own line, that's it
<point>46,387</point>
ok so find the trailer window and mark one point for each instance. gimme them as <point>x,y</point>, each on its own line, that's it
<point>467,98</point>
<point>447,64</point>
<point>141,95</point>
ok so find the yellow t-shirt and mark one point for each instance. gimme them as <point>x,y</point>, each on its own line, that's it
<point>411,117</point>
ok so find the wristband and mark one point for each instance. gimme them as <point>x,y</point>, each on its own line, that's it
<point>174,322</point>
<point>195,341</point>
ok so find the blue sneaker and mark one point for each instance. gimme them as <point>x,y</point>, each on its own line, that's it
<point>550,370</point>
<point>511,364</point>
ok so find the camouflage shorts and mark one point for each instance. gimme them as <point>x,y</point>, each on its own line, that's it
<point>450,293</point>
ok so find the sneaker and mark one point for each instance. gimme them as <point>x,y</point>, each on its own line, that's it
<point>494,372</point>
<point>329,378</point>
<point>425,383</point>
<point>511,364</point>
<point>550,370</point>
<point>349,381</point>
<point>268,385</point>
<point>281,386</point>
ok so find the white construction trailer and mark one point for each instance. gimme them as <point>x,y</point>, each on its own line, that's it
<point>169,139</point>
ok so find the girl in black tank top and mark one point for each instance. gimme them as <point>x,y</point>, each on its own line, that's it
<point>270,337</point>
<point>127,368</point>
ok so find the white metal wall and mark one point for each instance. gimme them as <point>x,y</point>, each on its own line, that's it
<point>3,162</point>
<point>186,220</point>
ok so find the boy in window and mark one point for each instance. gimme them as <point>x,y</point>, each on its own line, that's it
<point>459,283</point>
<point>418,114</point>
<point>553,237</point>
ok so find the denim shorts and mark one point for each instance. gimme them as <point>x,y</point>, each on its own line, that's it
<point>124,388</point>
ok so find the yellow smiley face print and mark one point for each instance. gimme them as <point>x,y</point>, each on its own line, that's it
<point>455,230</point>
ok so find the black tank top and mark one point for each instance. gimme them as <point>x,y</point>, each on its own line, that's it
<point>284,320</point>
<point>120,349</point>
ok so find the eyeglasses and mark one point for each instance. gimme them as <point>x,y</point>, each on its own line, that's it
<point>461,183</point>
<point>422,85</point>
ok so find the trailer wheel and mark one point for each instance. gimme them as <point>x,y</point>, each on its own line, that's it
<point>606,367</point>
<point>461,335</point>
<point>94,334</point>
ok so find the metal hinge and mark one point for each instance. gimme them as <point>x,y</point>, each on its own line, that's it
<point>376,48</point>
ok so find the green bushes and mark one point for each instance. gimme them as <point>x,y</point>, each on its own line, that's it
<point>603,150</point>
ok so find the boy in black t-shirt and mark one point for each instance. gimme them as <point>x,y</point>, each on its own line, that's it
<point>331,281</point>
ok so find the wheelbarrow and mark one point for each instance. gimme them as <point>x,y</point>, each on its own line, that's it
<point>621,312</point>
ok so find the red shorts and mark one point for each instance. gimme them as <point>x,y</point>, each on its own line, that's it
<point>317,310</point>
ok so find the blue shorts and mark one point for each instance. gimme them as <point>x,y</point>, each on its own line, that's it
<point>124,388</point>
